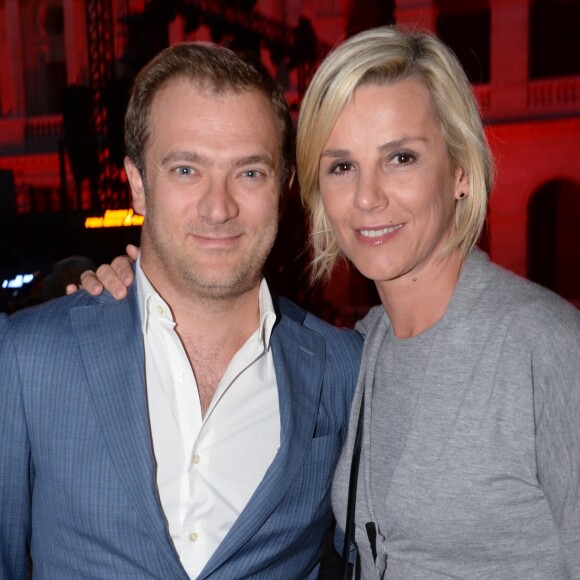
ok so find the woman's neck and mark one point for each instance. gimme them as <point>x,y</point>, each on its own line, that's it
<point>416,301</point>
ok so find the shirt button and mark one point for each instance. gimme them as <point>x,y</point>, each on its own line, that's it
<point>193,537</point>
<point>160,310</point>
<point>195,459</point>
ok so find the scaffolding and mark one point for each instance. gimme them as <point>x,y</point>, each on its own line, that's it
<point>111,193</point>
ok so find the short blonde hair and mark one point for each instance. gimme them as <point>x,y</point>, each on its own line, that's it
<point>388,55</point>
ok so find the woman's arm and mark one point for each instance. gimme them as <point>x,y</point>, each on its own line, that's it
<point>115,278</point>
<point>556,376</point>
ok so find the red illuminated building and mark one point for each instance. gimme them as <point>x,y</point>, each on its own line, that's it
<point>66,65</point>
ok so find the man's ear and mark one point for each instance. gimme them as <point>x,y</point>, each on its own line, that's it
<point>286,193</point>
<point>137,186</point>
<point>291,178</point>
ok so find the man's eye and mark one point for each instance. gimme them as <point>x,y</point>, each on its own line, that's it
<point>184,171</point>
<point>253,173</point>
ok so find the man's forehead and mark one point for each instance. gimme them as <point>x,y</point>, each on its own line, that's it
<point>211,111</point>
<point>250,96</point>
<point>211,91</point>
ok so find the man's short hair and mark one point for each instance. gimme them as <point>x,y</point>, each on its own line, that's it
<point>216,69</point>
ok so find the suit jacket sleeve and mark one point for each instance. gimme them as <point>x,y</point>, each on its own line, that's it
<point>15,466</point>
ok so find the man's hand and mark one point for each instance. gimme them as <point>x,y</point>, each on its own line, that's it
<point>116,278</point>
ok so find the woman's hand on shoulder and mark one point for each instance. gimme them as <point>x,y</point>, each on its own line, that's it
<point>115,278</point>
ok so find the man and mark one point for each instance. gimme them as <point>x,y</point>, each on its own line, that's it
<point>192,429</point>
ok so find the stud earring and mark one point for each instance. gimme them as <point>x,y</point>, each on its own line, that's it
<point>462,195</point>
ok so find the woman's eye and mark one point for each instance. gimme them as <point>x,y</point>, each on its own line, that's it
<point>403,158</point>
<point>342,167</point>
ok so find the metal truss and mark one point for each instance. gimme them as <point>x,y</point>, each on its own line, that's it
<point>110,191</point>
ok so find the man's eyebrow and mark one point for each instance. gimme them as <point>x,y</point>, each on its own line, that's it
<point>251,159</point>
<point>196,157</point>
<point>185,156</point>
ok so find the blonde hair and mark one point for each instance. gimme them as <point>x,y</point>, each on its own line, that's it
<point>388,55</point>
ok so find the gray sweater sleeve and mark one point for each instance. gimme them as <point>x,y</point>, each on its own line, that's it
<point>556,376</point>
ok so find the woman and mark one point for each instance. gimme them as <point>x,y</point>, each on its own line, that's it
<point>470,461</point>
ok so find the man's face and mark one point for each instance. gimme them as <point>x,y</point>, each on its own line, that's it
<point>211,191</point>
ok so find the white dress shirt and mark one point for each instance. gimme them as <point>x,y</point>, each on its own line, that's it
<point>207,468</point>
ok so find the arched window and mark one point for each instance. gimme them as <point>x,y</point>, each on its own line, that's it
<point>554,238</point>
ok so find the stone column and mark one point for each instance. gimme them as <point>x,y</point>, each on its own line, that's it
<point>509,56</point>
<point>12,72</point>
<point>75,41</point>
<point>420,14</point>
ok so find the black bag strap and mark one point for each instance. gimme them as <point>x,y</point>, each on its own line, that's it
<point>344,571</point>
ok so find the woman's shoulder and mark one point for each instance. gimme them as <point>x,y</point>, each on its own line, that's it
<point>500,293</point>
<point>370,321</point>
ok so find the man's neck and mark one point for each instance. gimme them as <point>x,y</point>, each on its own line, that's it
<point>211,331</point>
<point>212,317</point>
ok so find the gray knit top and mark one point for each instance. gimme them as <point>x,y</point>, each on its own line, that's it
<point>471,445</point>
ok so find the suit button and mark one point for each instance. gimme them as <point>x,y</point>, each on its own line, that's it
<point>193,537</point>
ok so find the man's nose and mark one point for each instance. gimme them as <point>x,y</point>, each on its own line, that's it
<point>218,204</point>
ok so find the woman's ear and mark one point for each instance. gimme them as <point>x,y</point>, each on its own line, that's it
<point>462,185</point>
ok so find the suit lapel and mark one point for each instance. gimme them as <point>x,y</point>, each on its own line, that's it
<point>110,341</point>
<point>299,362</point>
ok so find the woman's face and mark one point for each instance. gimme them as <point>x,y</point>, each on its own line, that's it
<point>387,183</point>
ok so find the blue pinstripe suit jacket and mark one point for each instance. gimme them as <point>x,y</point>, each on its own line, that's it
<point>77,474</point>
